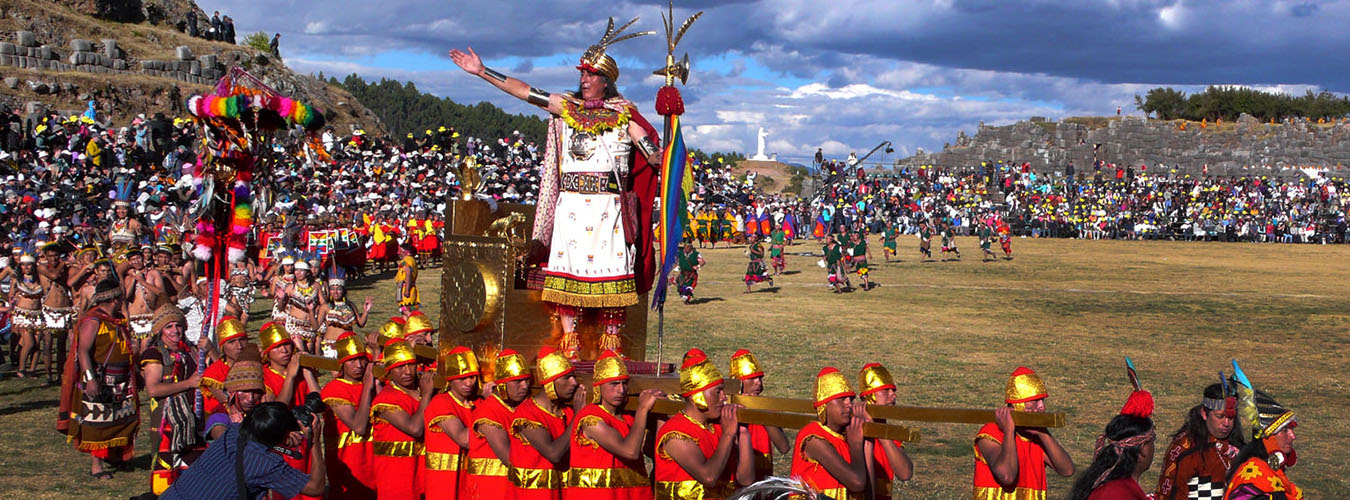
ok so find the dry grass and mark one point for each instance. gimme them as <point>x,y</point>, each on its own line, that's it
<point>139,40</point>
<point>951,332</point>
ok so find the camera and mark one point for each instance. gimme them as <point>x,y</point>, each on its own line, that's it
<point>313,405</point>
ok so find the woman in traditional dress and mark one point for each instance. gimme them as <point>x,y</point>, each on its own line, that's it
<point>756,271</point>
<point>169,367</point>
<point>589,164</point>
<point>302,301</point>
<point>339,315</point>
<point>26,298</point>
<point>282,278</point>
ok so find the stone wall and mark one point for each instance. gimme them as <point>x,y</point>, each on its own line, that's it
<point>1226,148</point>
<point>106,57</point>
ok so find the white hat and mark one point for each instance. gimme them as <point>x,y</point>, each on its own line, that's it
<point>301,266</point>
<point>288,261</point>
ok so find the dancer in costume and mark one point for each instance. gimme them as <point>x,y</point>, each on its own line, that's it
<point>777,241</point>
<point>589,163</point>
<point>606,454</point>
<point>925,241</point>
<point>541,429</point>
<point>1010,461</point>
<point>832,262</point>
<point>858,249</point>
<point>282,277</point>
<point>339,316</point>
<point>829,454</point>
<point>406,281</point>
<point>489,444</point>
<point>447,418</point>
<point>26,300</point>
<point>58,309</point>
<point>286,382</point>
<point>398,424</point>
<point>700,452</point>
<point>1004,237</point>
<point>986,242</point>
<point>704,222</point>
<point>949,241</point>
<point>756,271</point>
<point>302,300</point>
<point>877,387</point>
<point>1261,469</point>
<point>1196,464</point>
<point>689,262</point>
<point>350,396</point>
<point>231,337</point>
<point>169,367</point>
<point>108,411</point>
<point>763,440</point>
<point>889,242</point>
<point>144,290</point>
<point>1123,452</point>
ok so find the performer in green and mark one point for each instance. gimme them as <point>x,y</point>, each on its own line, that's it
<point>689,261</point>
<point>777,241</point>
<point>925,241</point>
<point>832,264</point>
<point>756,271</point>
<point>949,241</point>
<point>986,242</point>
<point>858,249</point>
<point>888,241</point>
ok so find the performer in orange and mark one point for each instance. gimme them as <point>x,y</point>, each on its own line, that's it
<point>1203,448</point>
<point>406,280</point>
<point>489,444</point>
<point>349,397</point>
<point>231,337</point>
<point>540,429</point>
<point>107,409</point>
<point>745,366</point>
<point>1262,467</point>
<point>702,452</point>
<point>607,441</point>
<point>398,422</point>
<point>877,387</point>
<point>830,453</point>
<point>447,418</point>
<point>1009,460</point>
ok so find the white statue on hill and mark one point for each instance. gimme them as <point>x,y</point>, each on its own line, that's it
<point>759,151</point>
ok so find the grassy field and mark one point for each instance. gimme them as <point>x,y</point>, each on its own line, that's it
<point>951,332</point>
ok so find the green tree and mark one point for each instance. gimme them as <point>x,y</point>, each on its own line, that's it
<point>258,41</point>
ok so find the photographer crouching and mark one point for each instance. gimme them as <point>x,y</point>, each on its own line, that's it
<point>268,433</point>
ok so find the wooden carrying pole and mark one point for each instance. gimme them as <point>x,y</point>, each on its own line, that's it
<point>911,413</point>
<point>790,420</point>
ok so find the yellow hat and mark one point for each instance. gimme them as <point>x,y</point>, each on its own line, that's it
<point>397,353</point>
<point>272,335</point>
<point>417,323</point>
<point>228,329</point>
<point>550,366</point>
<point>460,362</point>
<point>510,366</point>
<point>830,385</point>
<point>608,368</point>
<point>349,345</point>
<point>697,374</point>
<point>392,329</point>
<point>872,379</point>
<point>1024,385</point>
<point>744,365</point>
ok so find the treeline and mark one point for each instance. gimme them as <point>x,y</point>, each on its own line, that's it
<point>404,109</point>
<point>1227,103</point>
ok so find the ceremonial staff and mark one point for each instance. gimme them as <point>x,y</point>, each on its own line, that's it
<point>675,184</point>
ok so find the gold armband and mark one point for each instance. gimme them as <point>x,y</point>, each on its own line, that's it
<point>538,97</point>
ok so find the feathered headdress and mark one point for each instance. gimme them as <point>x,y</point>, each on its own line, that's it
<point>1259,414</point>
<point>122,191</point>
<point>596,60</point>
<point>337,275</point>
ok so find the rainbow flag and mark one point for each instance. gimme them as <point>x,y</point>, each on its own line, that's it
<point>676,183</point>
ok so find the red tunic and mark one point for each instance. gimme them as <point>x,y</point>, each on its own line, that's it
<point>349,453</point>
<point>763,451</point>
<point>444,456</point>
<point>214,377</point>
<point>1030,469</point>
<point>486,474</point>
<point>533,475</point>
<point>398,456</point>
<point>598,474</point>
<point>273,382</point>
<point>672,481</point>
<point>884,474</point>
<point>812,472</point>
<point>1125,488</point>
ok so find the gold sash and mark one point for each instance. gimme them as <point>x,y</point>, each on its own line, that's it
<point>396,448</point>
<point>536,479</point>
<point>487,467</point>
<point>442,461</point>
<point>581,477</point>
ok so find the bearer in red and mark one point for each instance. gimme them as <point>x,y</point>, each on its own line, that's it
<point>448,416</point>
<point>829,455</point>
<point>231,337</point>
<point>607,441</point>
<point>890,463</point>
<point>1009,460</point>
<point>349,397</point>
<point>489,444</point>
<point>703,450</point>
<point>397,420</point>
<point>540,429</point>
<point>286,382</point>
<point>763,440</point>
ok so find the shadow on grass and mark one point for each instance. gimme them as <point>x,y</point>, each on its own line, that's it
<point>29,406</point>
<point>705,300</point>
<point>23,390</point>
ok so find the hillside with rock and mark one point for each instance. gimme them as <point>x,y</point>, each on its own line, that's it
<point>133,57</point>
<point>1225,147</point>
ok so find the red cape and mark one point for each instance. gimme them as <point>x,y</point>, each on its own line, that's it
<point>644,179</point>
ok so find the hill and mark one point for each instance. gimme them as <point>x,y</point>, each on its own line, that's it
<point>774,177</point>
<point>1227,147</point>
<point>134,57</point>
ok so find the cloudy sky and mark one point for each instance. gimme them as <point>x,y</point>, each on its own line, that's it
<point>839,74</point>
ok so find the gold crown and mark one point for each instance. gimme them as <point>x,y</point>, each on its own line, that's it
<point>745,365</point>
<point>229,328</point>
<point>460,362</point>
<point>608,368</point>
<point>349,345</point>
<point>417,323</point>
<point>1024,385</point>
<point>510,366</point>
<point>390,331</point>
<point>597,61</point>
<point>397,353</point>
<point>873,378</point>
<point>696,375</point>
<point>550,366</point>
<point>830,385</point>
<point>272,335</point>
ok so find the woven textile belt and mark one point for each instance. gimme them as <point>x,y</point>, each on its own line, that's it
<point>588,183</point>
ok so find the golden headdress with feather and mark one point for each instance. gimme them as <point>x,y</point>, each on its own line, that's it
<point>597,61</point>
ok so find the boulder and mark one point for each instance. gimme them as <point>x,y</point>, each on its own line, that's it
<point>110,48</point>
<point>45,52</point>
<point>26,38</point>
<point>12,82</point>
<point>81,45</point>
<point>7,48</point>
<point>184,53</point>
